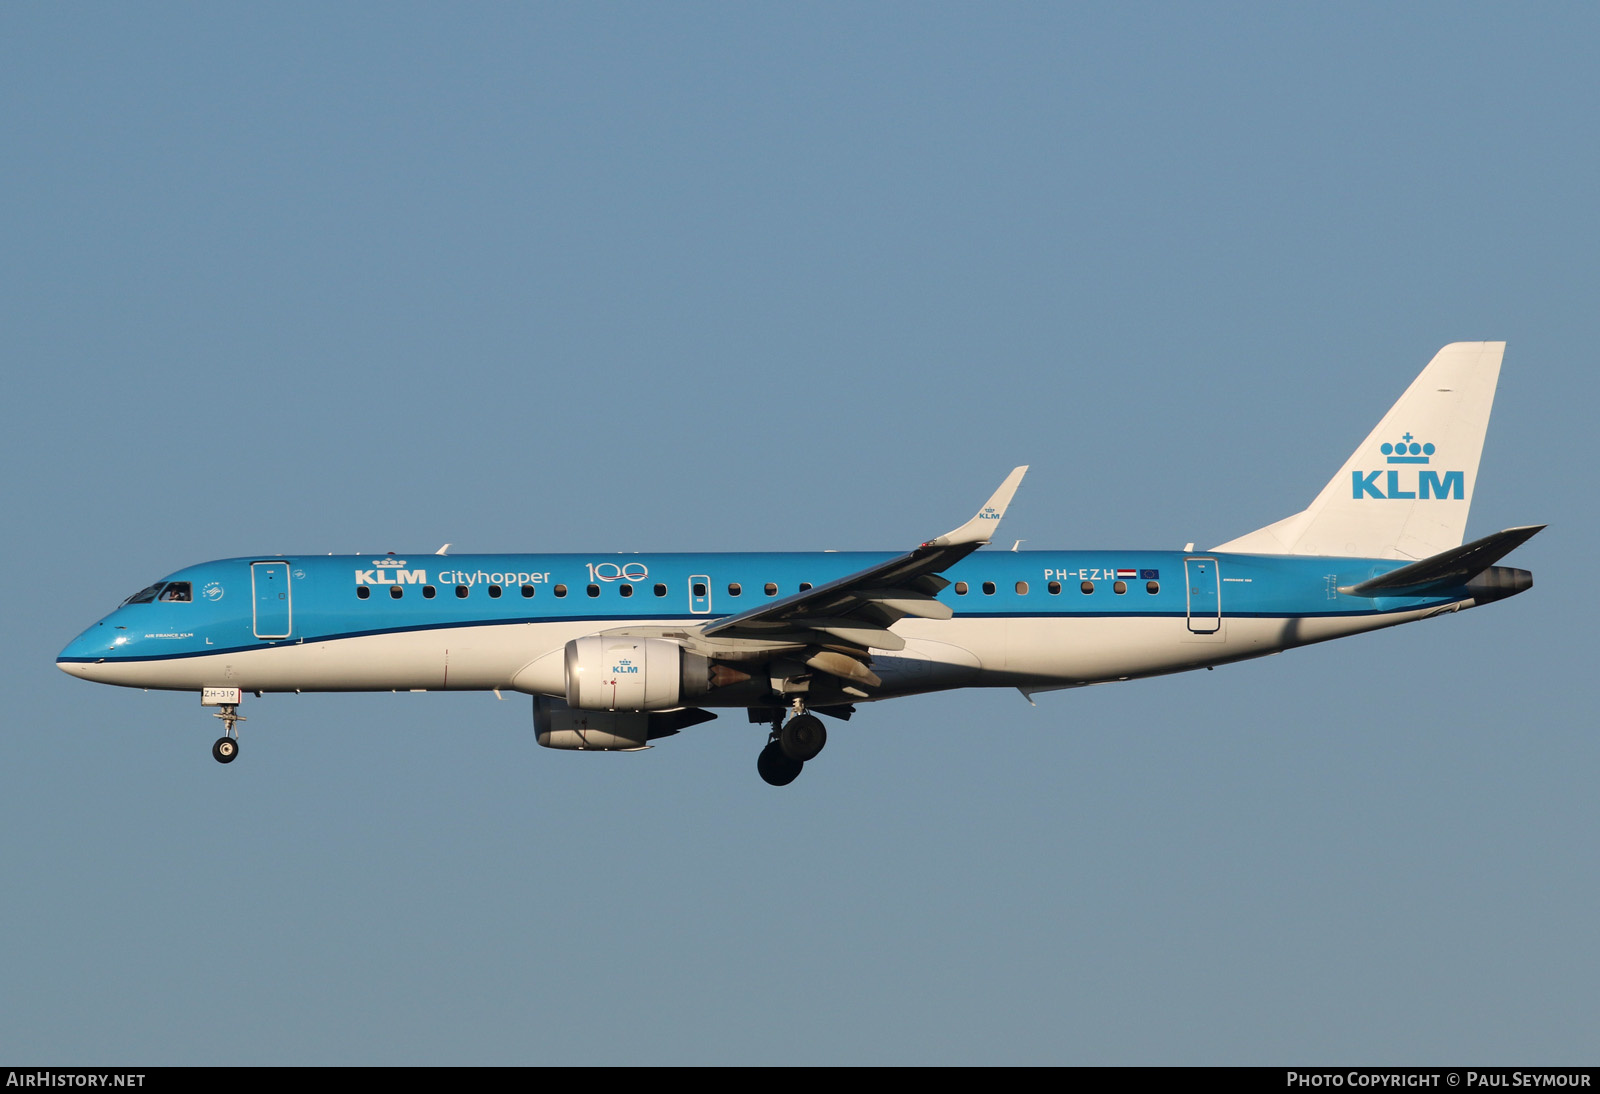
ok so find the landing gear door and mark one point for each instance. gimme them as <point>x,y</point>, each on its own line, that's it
<point>699,595</point>
<point>1205,595</point>
<point>269,586</point>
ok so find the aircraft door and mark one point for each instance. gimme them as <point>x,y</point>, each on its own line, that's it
<point>1205,595</point>
<point>699,594</point>
<point>269,584</point>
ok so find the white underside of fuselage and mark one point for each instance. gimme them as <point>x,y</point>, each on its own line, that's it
<point>1022,651</point>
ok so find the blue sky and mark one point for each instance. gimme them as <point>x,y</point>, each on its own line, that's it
<point>302,278</point>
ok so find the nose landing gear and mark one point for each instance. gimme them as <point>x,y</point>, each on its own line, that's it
<point>226,750</point>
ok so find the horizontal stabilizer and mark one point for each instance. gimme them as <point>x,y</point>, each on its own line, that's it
<point>1447,569</point>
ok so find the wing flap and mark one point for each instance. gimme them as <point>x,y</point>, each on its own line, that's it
<point>907,602</point>
<point>854,633</point>
<point>843,666</point>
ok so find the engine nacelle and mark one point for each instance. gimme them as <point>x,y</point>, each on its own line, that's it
<point>590,730</point>
<point>622,674</point>
<point>559,726</point>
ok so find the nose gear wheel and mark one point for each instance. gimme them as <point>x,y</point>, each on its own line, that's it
<point>226,749</point>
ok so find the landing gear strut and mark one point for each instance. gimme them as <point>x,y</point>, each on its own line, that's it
<point>226,750</point>
<point>790,745</point>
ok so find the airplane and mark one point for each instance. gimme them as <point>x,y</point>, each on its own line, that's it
<point>620,651</point>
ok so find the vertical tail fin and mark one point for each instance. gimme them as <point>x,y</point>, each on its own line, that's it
<point>1406,491</point>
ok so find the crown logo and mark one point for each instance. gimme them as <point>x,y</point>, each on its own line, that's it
<point>1408,450</point>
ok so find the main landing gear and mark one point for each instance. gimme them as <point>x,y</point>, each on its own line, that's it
<point>226,750</point>
<point>790,745</point>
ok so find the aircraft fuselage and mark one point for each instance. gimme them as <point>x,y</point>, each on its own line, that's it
<point>1033,619</point>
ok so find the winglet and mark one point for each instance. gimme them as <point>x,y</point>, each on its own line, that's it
<point>981,528</point>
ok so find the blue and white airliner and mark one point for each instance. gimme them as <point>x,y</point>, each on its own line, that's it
<point>618,651</point>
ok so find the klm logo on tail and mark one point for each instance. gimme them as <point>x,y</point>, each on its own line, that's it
<point>1410,485</point>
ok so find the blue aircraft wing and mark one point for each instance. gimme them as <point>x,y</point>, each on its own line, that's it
<point>854,613</point>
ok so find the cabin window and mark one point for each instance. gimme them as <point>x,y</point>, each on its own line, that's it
<point>1087,587</point>
<point>1054,587</point>
<point>527,591</point>
<point>592,590</point>
<point>625,590</point>
<point>362,592</point>
<point>1119,587</point>
<point>661,590</point>
<point>770,589</point>
<point>461,592</point>
<point>429,592</point>
<point>988,588</point>
<point>145,595</point>
<point>699,588</point>
<point>176,592</point>
<point>396,592</point>
<point>805,586</point>
<point>561,590</point>
<point>1152,587</point>
<point>1022,588</point>
<point>494,592</point>
<point>961,588</point>
<point>734,588</point>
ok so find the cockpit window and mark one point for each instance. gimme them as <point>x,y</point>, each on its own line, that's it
<point>176,592</point>
<point>145,596</point>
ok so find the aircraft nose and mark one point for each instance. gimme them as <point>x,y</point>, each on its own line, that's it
<point>90,646</point>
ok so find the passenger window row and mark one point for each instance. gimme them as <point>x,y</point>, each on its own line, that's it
<point>1054,588</point>
<point>736,589</point>
<point>397,592</point>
